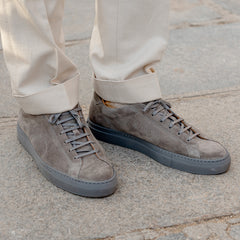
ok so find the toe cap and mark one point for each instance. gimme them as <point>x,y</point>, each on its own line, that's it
<point>211,150</point>
<point>94,169</point>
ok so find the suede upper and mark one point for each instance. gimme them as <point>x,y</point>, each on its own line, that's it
<point>132,119</point>
<point>50,144</point>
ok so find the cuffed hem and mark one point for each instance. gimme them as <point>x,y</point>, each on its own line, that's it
<point>136,90</point>
<point>55,99</point>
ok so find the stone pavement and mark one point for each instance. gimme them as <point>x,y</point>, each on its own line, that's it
<point>199,74</point>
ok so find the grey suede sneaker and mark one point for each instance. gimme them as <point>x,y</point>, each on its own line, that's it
<point>67,153</point>
<point>154,129</point>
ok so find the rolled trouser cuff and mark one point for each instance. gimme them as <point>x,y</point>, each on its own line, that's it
<point>135,90</point>
<point>55,99</point>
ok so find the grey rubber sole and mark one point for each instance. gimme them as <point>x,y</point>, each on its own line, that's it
<point>170,159</point>
<point>75,186</point>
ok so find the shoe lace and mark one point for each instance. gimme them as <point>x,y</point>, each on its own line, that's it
<point>73,127</point>
<point>163,109</point>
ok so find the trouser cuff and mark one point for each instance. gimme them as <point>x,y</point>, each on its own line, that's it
<point>55,99</point>
<point>136,90</point>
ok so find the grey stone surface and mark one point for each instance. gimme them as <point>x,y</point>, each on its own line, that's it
<point>78,19</point>
<point>223,228</point>
<point>140,235</point>
<point>201,58</point>
<point>191,12</point>
<point>231,5</point>
<point>178,236</point>
<point>234,220</point>
<point>149,195</point>
<point>207,231</point>
<point>8,105</point>
<point>235,232</point>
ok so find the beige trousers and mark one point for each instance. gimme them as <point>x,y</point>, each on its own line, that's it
<point>128,38</point>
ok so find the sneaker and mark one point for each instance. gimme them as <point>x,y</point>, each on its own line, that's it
<point>67,153</point>
<point>153,129</point>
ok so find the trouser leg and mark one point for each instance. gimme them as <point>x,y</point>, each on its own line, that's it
<point>43,78</point>
<point>127,40</point>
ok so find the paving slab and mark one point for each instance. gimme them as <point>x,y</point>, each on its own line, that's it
<point>235,232</point>
<point>201,58</point>
<point>191,12</point>
<point>8,105</point>
<point>233,6</point>
<point>78,19</point>
<point>149,195</point>
<point>221,228</point>
<point>138,235</point>
<point>207,231</point>
<point>178,236</point>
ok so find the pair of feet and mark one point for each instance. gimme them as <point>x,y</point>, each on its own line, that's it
<point>68,154</point>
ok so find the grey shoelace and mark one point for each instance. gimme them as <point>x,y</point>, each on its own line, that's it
<point>73,128</point>
<point>163,108</point>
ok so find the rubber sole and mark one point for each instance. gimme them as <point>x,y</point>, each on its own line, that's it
<point>65,182</point>
<point>170,159</point>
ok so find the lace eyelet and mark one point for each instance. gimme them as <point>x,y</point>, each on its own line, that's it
<point>179,134</point>
<point>188,140</point>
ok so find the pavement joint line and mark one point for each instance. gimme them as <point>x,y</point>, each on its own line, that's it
<point>216,22</point>
<point>179,227</point>
<point>216,93</point>
<point>6,117</point>
<point>7,122</point>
